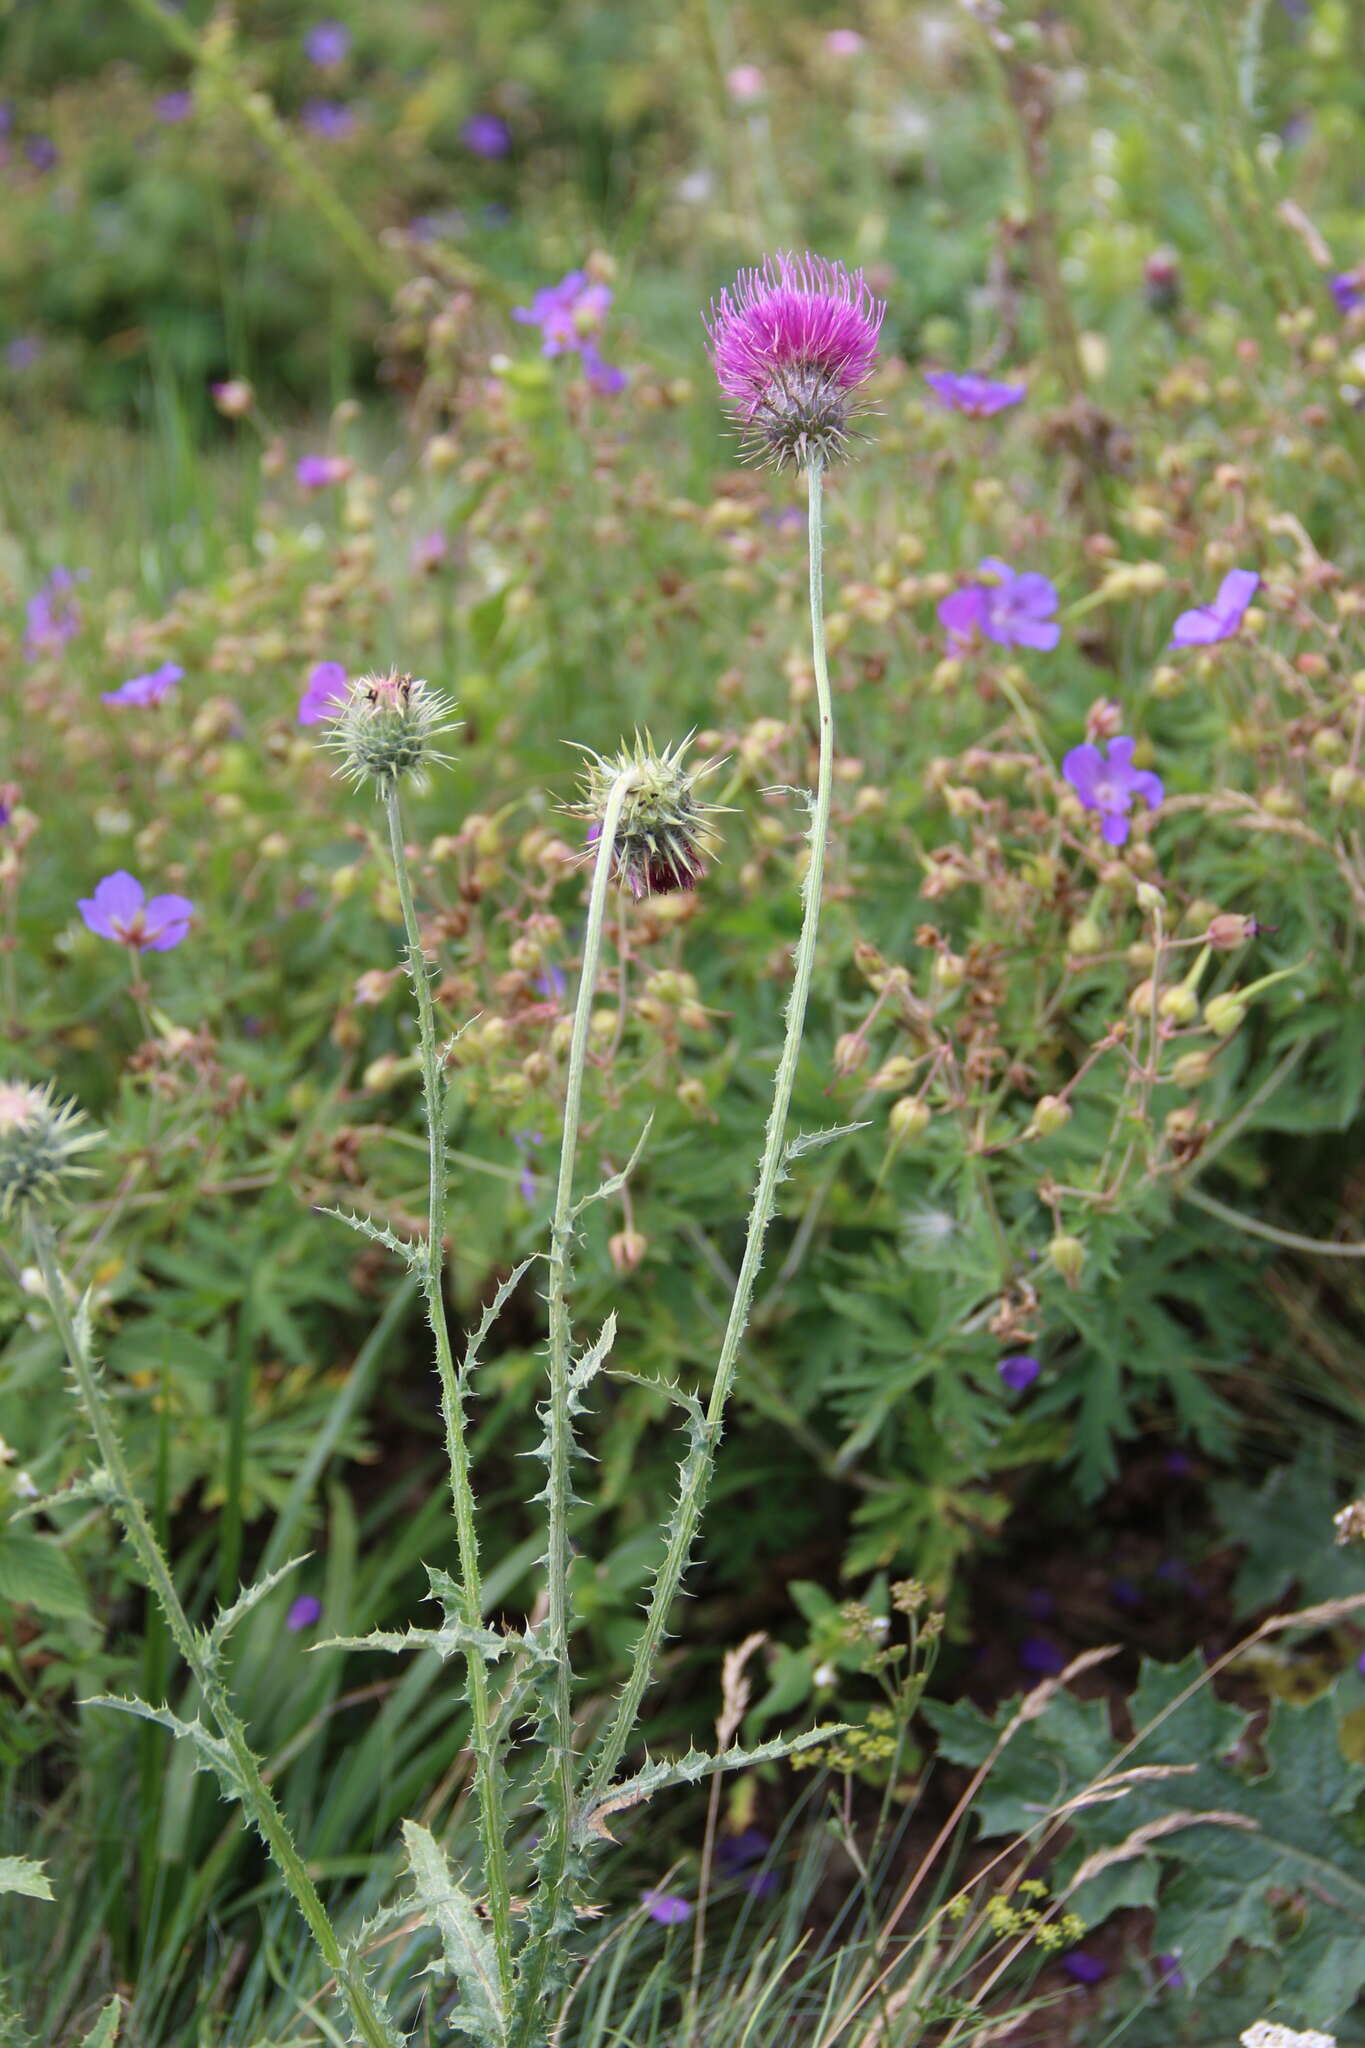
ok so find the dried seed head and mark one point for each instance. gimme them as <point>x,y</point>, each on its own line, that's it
<point>386,726</point>
<point>41,1142</point>
<point>664,835</point>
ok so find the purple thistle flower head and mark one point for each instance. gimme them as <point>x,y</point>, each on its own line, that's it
<point>119,910</point>
<point>1109,786</point>
<point>791,344</point>
<point>326,44</point>
<point>1018,1371</point>
<point>978,397</point>
<point>1209,623</point>
<point>666,1907</point>
<point>304,1613</point>
<point>1013,610</point>
<point>153,688</point>
<point>487,135</point>
<point>567,313</point>
<point>325,693</point>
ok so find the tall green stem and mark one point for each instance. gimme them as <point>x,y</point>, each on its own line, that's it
<point>559,1808</point>
<point>257,1798</point>
<point>491,1826</point>
<point>693,1498</point>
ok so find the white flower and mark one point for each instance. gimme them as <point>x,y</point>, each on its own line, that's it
<point>824,1675</point>
<point>1266,2034</point>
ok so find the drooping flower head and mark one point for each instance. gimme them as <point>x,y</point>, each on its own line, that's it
<point>153,688</point>
<point>1012,609</point>
<point>41,1142</point>
<point>664,834</point>
<point>120,910</point>
<point>791,344</point>
<point>1209,623</point>
<point>1109,786</point>
<point>386,726</point>
<point>980,398</point>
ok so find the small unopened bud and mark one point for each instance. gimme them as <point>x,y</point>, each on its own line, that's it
<point>1228,930</point>
<point>850,1052</point>
<point>949,971</point>
<point>386,729</point>
<point>1050,1115</point>
<point>1084,938</point>
<point>627,1249</point>
<point>41,1143</point>
<point>1225,1013</point>
<point>1192,1069</point>
<point>1180,1004</point>
<point>1067,1254</point>
<point>897,1072</point>
<point>908,1119</point>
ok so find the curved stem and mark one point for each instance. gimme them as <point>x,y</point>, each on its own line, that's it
<point>492,1832</point>
<point>1320,1247</point>
<point>257,1799</point>
<point>692,1499</point>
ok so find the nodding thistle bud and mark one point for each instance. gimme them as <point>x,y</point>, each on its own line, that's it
<point>663,835</point>
<point>41,1143</point>
<point>385,727</point>
<point>791,344</point>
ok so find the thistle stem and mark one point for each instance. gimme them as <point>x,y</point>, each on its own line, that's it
<point>492,1832</point>
<point>257,1799</point>
<point>692,1500</point>
<point>560,1807</point>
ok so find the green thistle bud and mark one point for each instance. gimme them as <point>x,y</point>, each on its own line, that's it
<point>40,1147</point>
<point>386,727</point>
<point>664,835</point>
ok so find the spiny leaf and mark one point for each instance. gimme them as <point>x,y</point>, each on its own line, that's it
<point>210,1751</point>
<point>466,1943</point>
<point>104,2033</point>
<point>592,1817</point>
<point>585,1368</point>
<point>250,1597</point>
<point>616,1181</point>
<point>489,1317</point>
<point>22,1876</point>
<point>812,1141</point>
<point>412,1251</point>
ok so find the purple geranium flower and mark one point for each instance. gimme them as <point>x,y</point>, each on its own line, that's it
<point>486,135</point>
<point>1038,1655</point>
<point>324,694</point>
<point>978,397</point>
<point>1018,1371</point>
<point>666,1907</point>
<point>54,617</point>
<point>1348,289</point>
<point>330,120</point>
<point>326,44</point>
<point>1012,610</point>
<point>790,343</point>
<point>305,1612</point>
<point>153,688</point>
<point>1110,786</point>
<point>1086,1969</point>
<point>119,910</point>
<point>316,472</point>
<point>566,313</point>
<point>173,107</point>
<point>1208,623</point>
<point>605,377</point>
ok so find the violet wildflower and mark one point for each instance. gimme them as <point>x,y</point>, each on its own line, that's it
<point>666,1907</point>
<point>329,120</point>
<point>978,397</point>
<point>305,1612</point>
<point>791,344</point>
<point>120,910</point>
<point>1109,786</point>
<point>1018,1371</point>
<point>566,313</point>
<point>385,728</point>
<point>487,135</point>
<point>1209,623</point>
<point>602,376</point>
<point>1172,1977</point>
<point>736,1856</point>
<point>23,352</point>
<point>664,834</point>
<point>1039,1656</point>
<point>54,616</point>
<point>326,44</point>
<point>153,688</point>
<point>317,472</point>
<point>1086,1969</point>
<point>1013,610</point>
<point>41,152</point>
<point>325,693</point>
<point>173,107</point>
<point>40,1146</point>
<point>1348,289</point>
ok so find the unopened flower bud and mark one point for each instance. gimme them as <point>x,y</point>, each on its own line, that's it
<point>691,1093</point>
<point>897,1072</point>
<point>41,1143</point>
<point>1228,929</point>
<point>908,1118</point>
<point>1084,938</point>
<point>948,972</point>
<point>1050,1114</point>
<point>627,1249</point>
<point>1225,1013</point>
<point>1179,1003</point>
<point>386,728</point>
<point>1067,1254</point>
<point>850,1052</point>
<point>1192,1069</point>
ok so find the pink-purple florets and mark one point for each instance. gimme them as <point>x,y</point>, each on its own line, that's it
<point>791,343</point>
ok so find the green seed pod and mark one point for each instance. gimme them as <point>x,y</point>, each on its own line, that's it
<point>1068,1257</point>
<point>1050,1115</point>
